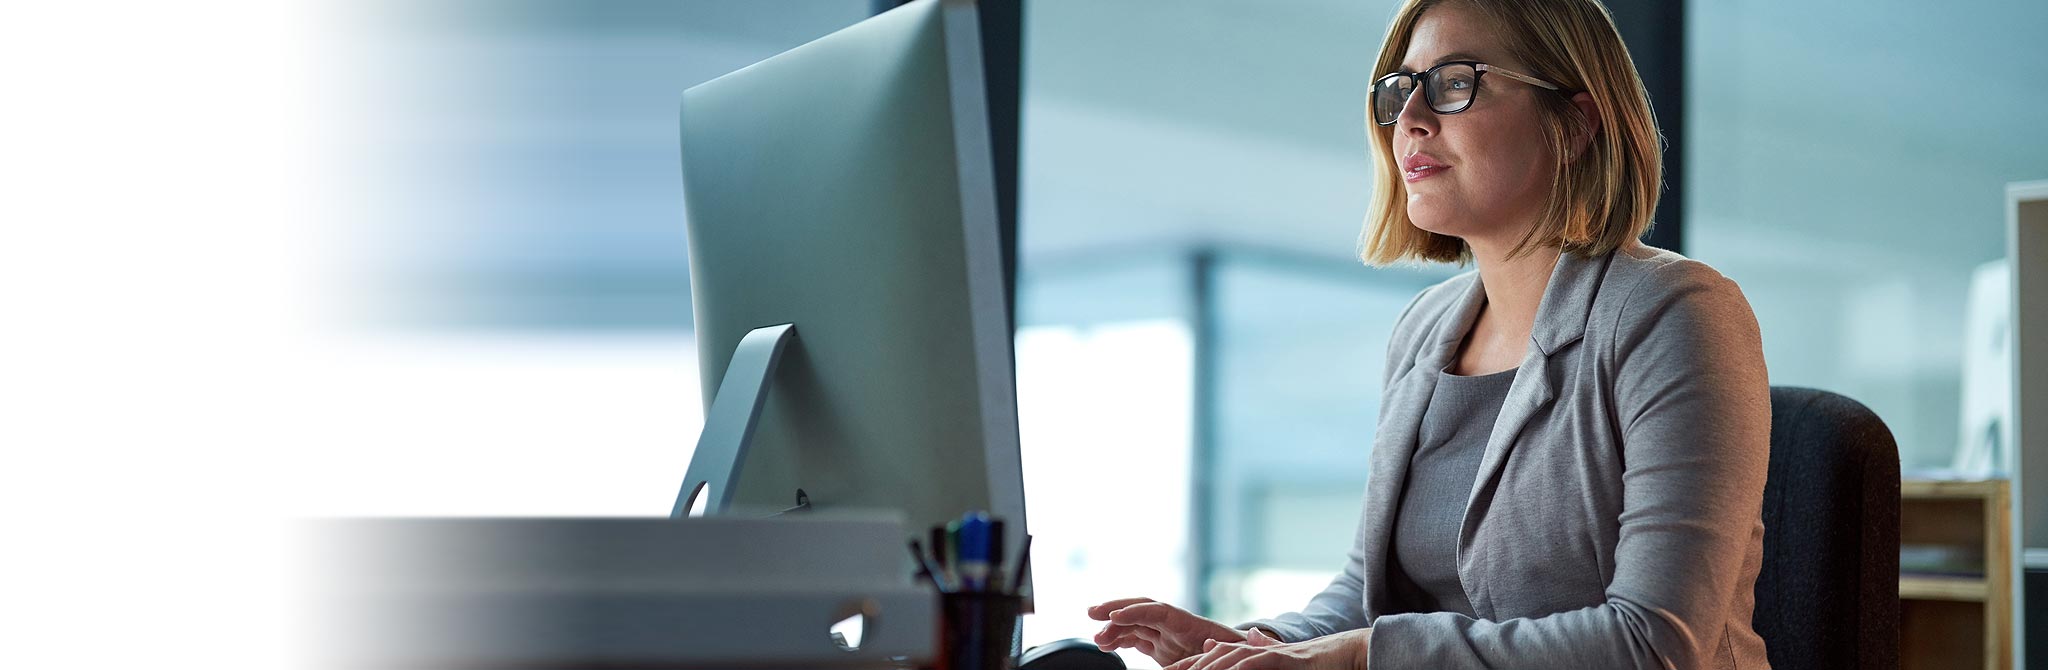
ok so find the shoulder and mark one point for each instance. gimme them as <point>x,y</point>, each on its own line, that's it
<point>1681,334</point>
<point>1655,296</point>
<point>1650,277</point>
<point>1646,271</point>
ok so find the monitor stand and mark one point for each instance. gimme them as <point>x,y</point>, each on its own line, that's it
<point>729,426</point>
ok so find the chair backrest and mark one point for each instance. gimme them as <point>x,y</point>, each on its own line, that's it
<point>1828,592</point>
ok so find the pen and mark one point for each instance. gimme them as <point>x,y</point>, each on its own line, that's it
<point>924,567</point>
<point>974,546</point>
<point>917,559</point>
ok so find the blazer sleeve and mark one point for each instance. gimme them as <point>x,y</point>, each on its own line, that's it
<point>1341,605</point>
<point>1692,403</point>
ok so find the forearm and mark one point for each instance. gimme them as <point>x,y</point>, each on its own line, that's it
<point>1335,610</point>
<point>1612,635</point>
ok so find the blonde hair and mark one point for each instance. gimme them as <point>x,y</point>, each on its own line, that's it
<point>1598,202</point>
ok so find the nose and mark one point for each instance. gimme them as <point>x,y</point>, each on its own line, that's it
<point>1416,117</point>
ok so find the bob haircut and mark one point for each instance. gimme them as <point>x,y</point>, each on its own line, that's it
<point>1598,202</point>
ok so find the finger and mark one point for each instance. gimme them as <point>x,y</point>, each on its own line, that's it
<point>1107,633</point>
<point>1101,612</point>
<point>1184,664</point>
<point>1229,656</point>
<point>1206,658</point>
<point>1167,656</point>
<point>1114,642</point>
<point>1108,639</point>
<point>1130,638</point>
<point>1211,659</point>
<point>1145,648</point>
<point>1119,630</point>
<point>1114,631</point>
<point>1258,638</point>
<point>1155,613</point>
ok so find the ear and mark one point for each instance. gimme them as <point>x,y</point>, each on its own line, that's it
<point>1591,113</point>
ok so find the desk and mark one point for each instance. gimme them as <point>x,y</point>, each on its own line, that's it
<point>646,592</point>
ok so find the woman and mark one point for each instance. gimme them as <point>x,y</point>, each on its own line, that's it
<point>1570,460</point>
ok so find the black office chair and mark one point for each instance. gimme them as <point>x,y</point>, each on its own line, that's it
<point>1828,593</point>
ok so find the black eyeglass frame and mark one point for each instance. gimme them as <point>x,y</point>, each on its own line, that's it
<point>1421,83</point>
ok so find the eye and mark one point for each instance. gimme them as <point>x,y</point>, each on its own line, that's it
<point>1458,83</point>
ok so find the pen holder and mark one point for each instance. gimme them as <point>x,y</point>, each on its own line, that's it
<point>976,629</point>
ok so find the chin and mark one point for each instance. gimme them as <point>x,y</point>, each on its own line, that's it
<point>1435,223</point>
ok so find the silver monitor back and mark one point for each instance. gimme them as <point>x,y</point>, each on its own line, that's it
<point>846,186</point>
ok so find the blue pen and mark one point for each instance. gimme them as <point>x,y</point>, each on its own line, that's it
<point>953,557</point>
<point>974,551</point>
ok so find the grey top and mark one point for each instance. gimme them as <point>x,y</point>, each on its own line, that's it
<point>1616,518</point>
<point>1424,573</point>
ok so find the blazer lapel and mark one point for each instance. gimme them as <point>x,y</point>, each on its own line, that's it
<point>1395,441</point>
<point>1560,321</point>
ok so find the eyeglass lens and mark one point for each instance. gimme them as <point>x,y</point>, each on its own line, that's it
<point>1450,88</point>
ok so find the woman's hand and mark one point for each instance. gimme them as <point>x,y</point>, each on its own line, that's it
<point>1342,651</point>
<point>1161,631</point>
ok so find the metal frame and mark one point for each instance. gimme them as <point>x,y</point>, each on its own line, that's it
<point>729,426</point>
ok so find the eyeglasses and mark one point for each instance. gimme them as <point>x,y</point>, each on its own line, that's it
<point>1448,88</point>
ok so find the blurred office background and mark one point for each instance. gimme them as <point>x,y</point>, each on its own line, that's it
<point>1198,352</point>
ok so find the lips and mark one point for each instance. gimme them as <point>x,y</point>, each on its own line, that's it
<point>1419,166</point>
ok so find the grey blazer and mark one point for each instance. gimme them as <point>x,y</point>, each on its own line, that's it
<point>1616,519</point>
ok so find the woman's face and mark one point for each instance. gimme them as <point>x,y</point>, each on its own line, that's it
<point>1482,174</point>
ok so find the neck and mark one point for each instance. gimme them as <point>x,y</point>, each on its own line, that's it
<point>1514,287</point>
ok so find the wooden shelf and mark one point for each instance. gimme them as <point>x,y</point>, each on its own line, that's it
<point>1943,489</point>
<point>1954,621</point>
<point>1928,587</point>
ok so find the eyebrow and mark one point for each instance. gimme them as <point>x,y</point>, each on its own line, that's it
<point>1446,58</point>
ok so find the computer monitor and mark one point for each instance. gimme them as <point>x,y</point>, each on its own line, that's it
<point>2026,212</point>
<point>846,188</point>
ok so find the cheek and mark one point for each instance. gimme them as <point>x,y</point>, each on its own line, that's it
<point>1517,166</point>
